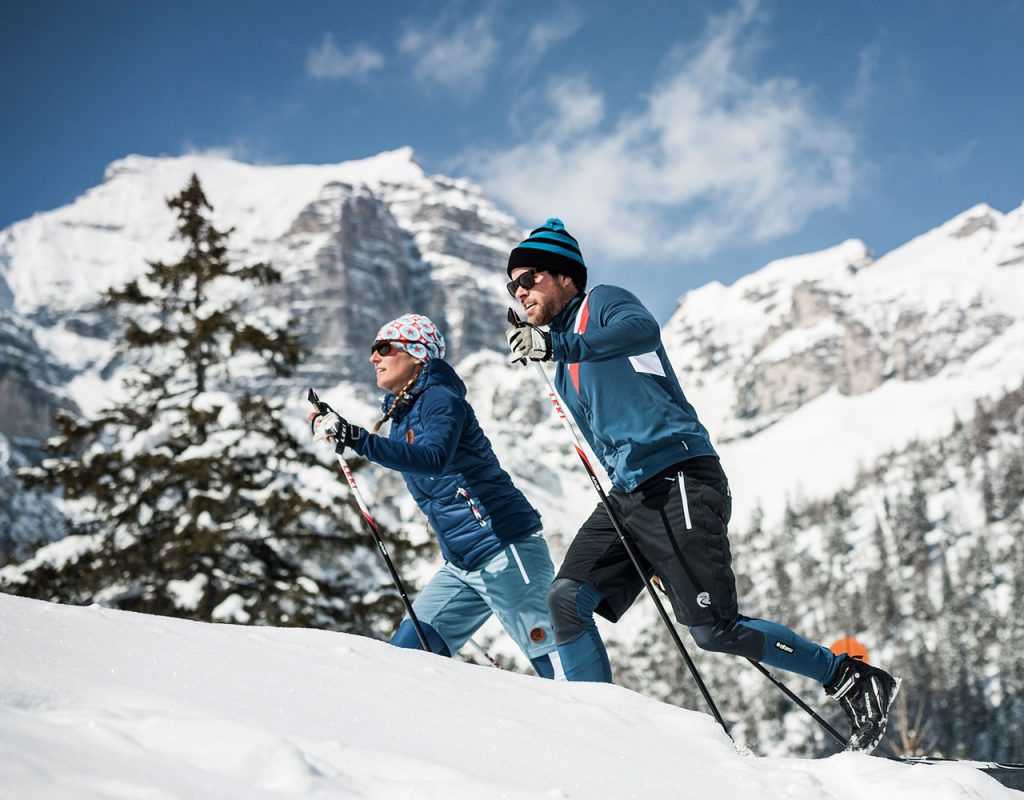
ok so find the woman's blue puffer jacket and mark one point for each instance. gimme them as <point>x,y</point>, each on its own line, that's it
<point>451,470</point>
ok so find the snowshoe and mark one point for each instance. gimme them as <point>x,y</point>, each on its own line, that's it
<point>865,694</point>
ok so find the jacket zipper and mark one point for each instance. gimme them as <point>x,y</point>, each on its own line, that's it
<point>686,505</point>
<point>460,492</point>
<point>519,563</point>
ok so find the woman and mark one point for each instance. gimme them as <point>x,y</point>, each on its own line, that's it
<point>495,559</point>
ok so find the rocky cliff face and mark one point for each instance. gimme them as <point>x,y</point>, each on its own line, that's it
<point>357,243</point>
<point>31,381</point>
<point>359,256</point>
<point>841,320</point>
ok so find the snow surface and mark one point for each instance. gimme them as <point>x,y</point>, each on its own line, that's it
<point>819,448</point>
<point>97,703</point>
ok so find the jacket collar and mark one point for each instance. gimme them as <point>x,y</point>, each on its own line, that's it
<point>435,372</point>
<point>563,321</point>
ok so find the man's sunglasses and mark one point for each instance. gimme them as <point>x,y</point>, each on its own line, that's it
<point>527,280</point>
<point>384,348</point>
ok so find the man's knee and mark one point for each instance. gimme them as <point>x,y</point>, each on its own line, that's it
<point>565,616</point>
<point>708,636</point>
<point>729,636</point>
<point>572,605</point>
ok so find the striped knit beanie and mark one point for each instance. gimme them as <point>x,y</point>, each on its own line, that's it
<point>551,248</point>
<point>415,334</point>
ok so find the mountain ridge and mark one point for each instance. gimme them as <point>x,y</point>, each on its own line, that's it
<point>775,364</point>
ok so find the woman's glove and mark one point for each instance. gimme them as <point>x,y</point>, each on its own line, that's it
<point>332,428</point>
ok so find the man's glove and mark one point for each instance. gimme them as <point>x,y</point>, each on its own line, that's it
<point>528,342</point>
<point>334,429</point>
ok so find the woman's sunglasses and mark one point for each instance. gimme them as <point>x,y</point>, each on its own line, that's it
<point>384,348</point>
<point>527,280</point>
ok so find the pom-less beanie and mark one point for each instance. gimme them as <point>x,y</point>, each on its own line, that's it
<point>415,334</point>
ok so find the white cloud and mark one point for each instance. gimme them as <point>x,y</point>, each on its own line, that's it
<point>946,163</point>
<point>575,107</point>
<point>714,155</point>
<point>453,56</point>
<point>548,33</point>
<point>241,148</point>
<point>860,98</point>
<point>328,61</point>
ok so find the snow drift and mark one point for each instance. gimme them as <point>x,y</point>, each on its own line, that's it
<point>96,703</point>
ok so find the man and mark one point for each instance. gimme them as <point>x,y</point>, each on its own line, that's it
<point>669,490</point>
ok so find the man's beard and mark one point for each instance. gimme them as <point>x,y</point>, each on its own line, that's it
<point>545,311</point>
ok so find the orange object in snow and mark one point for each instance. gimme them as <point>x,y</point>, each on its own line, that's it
<point>851,647</point>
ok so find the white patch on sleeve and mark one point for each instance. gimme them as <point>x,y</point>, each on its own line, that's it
<point>648,363</point>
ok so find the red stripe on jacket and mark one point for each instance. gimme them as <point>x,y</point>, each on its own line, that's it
<point>582,318</point>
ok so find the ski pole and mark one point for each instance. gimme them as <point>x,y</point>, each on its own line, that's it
<point>479,648</point>
<point>513,318</point>
<point>792,696</point>
<point>374,531</point>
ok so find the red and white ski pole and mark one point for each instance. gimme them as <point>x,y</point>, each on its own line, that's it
<point>480,649</point>
<point>627,543</point>
<point>374,531</point>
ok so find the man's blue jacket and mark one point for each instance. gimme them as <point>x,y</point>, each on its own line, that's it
<point>448,464</point>
<point>619,386</point>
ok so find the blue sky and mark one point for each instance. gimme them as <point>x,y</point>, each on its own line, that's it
<point>681,142</point>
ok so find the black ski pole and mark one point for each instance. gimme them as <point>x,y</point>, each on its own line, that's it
<point>374,532</point>
<point>513,318</point>
<point>792,696</point>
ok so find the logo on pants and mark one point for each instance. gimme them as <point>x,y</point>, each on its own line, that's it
<point>538,635</point>
<point>704,600</point>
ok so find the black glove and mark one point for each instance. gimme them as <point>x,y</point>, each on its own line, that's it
<point>329,426</point>
<point>528,342</point>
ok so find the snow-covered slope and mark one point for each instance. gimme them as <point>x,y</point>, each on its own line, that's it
<point>97,704</point>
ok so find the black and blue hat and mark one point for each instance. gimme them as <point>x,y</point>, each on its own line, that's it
<point>550,248</point>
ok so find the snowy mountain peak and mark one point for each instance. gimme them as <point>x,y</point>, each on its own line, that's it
<point>357,243</point>
<point>977,218</point>
<point>390,166</point>
<point>59,260</point>
<point>820,331</point>
<point>832,263</point>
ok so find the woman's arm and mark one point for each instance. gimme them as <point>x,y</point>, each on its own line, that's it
<point>433,447</point>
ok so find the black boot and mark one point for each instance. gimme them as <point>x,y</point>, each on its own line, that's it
<point>865,693</point>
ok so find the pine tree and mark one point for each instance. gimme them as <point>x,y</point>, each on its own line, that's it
<point>191,497</point>
<point>778,591</point>
<point>1011,707</point>
<point>912,526</point>
<point>1011,484</point>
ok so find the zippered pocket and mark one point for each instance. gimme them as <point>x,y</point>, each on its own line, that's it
<point>686,504</point>
<point>519,563</point>
<point>463,494</point>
